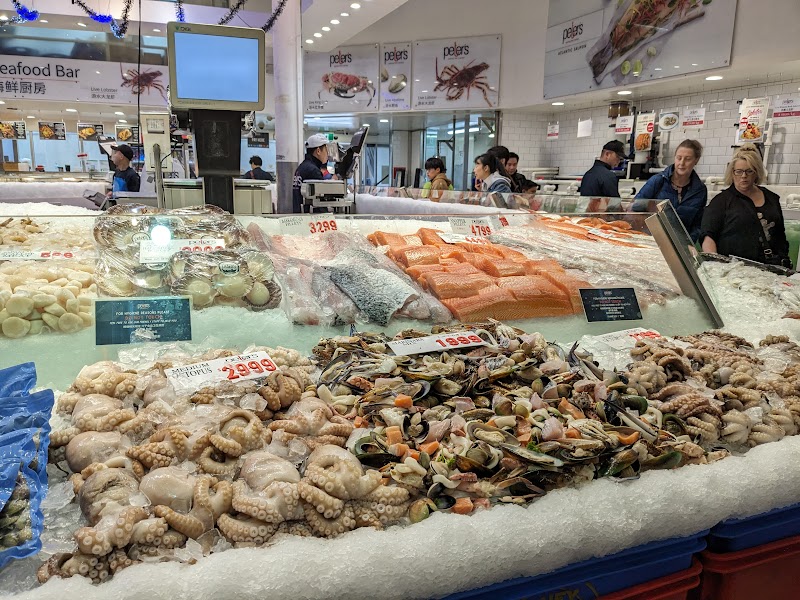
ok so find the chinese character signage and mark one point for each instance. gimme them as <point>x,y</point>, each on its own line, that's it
<point>597,44</point>
<point>90,132</point>
<point>395,77</point>
<point>26,77</point>
<point>13,130</point>
<point>342,80</point>
<point>457,73</point>
<point>52,131</point>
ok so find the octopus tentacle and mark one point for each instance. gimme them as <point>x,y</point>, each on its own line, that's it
<point>217,503</point>
<point>324,527</point>
<point>249,530</point>
<point>147,531</point>
<point>226,446</point>
<point>329,506</point>
<point>189,525</point>
<point>63,436</point>
<point>209,465</point>
<point>112,531</point>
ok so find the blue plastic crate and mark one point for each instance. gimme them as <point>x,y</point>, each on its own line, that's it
<point>598,576</point>
<point>740,534</point>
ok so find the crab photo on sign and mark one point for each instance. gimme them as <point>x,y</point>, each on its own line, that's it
<point>344,79</point>
<point>457,73</point>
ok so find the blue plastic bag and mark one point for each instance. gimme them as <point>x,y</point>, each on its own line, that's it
<point>21,517</point>
<point>30,446</point>
<point>17,380</point>
<point>40,402</point>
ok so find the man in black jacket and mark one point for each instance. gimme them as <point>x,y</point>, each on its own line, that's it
<point>599,180</point>
<point>256,172</point>
<point>310,168</point>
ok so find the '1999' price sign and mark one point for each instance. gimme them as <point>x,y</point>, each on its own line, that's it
<point>434,343</point>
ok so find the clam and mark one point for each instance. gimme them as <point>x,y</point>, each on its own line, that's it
<point>477,430</point>
<point>421,509</point>
<point>531,456</point>
<point>201,290</point>
<point>619,462</point>
<point>372,453</point>
<point>479,457</point>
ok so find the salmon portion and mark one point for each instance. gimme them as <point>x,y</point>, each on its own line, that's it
<point>417,270</point>
<point>462,269</point>
<point>418,255</point>
<point>502,267</point>
<point>511,254</point>
<point>570,285</point>
<point>412,240</point>
<point>394,240</point>
<point>477,260</point>
<point>430,237</point>
<point>536,267</point>
<point>449,285</point>
<point>503,305</point>
<point>543,285</point>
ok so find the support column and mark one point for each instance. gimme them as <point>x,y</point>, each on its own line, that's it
<point>288,59</point>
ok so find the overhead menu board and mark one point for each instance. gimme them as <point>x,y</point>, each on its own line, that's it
<point>645,125</point>
<point>128,134</point>
<point>595,44</point>
<point>457,73</point>
<point>51,131</point>
<point>395,88</point>
<point>101,82</point>
<point>13,130</point>
<point>90,132</point>
<point>343,80</point>
<point>752,120</point>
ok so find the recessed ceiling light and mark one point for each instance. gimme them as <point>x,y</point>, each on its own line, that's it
<point>157,30</point>
<point>122,121</point>
<point>558,104</point>
<point>81,24</point>
<point>624,93</point>
<point>71,109</point>
<point>120,113</point>
<point>309,41</point>
<point>658,69</point>
<point>713,77</point>
<point>30,117</point>
<point>318,35</point>
<point>326,28</point>
<point>43,21</point>
<point>677,67</point>
<point>695,65</point>
<point>355,5</point>
<point>384,120</point>
<point>491,135</point>
<point>424,91</point>
<point>98,72</point>
<point>334,21</point>
<point>3,18</point>
<point>2,102</point>
<point>344,15</point>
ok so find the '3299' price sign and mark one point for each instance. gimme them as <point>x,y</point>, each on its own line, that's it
<point>323,225</point>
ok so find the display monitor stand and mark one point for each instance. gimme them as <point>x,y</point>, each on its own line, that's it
<point>218,153</point>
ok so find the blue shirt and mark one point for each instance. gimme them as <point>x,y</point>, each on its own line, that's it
<point>126,181</point>
<point>691,206</point>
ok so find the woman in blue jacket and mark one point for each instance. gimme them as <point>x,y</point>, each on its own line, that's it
<point>680,184</point>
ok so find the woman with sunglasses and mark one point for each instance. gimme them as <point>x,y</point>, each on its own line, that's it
<point>746,220</point>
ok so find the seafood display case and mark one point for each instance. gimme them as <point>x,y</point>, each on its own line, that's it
<point>360,372</point>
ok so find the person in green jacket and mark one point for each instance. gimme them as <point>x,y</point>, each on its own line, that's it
<point>437,180</point>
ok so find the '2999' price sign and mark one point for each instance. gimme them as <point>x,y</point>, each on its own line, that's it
<point>248,369</point>
<point>231,368</point>
<point>434,343</point>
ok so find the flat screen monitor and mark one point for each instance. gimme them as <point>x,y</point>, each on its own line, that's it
<point>215,67</point>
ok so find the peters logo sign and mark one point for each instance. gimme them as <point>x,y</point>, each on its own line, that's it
<point>455,51</point>
<point>572,33</point>
<point>341,59</point>
<point>395,56</point>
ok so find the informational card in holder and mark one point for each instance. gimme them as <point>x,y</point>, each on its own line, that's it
<point>139,320</point>
<point>436,343</point>
<point>192,377</point>
<point>610,304</point>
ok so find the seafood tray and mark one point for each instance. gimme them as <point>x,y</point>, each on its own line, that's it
<point>671,587</point>
<point>599,576</point>
<point>734,535</point>
<point>768,571</point>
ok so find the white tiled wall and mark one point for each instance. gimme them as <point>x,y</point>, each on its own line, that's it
<point>525,133</point>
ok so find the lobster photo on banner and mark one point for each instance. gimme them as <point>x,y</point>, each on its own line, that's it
<point>457,73</point>
<point>342,80</point>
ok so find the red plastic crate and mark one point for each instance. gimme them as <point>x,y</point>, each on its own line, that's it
<point>768,571</point>
<point>672,587</point>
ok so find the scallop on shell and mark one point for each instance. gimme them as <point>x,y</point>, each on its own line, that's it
<point>235,285</point>
<point>265,295</point>
<point>398,84</point>
<point>259,265</point>
<point>201,290</point>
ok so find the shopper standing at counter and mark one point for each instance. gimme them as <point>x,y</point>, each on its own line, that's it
<point>487,169</point>
<point>310,168</point>
<point>746,220</point>
<point>256,172</point>
<point>599,181</point>
<point>517,179</point>
<point>437,180</point>
<point>126,179</point>
<point>681,185</point>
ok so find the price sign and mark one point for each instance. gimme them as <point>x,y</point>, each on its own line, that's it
<point>151,252</point>
<point>436,343</point>
<point>476,227</point>
<point>455,238</point>
<point>308,224</point>
<point>230,368</point>
<point>33,254</point>
<point>627,338</point>
<point>624,125</point>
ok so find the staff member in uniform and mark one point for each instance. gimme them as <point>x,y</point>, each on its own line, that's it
<point>599,180</point>
<point>310,168</point>
<point>126,179</point>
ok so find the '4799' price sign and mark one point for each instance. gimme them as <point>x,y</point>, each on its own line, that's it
<point>476,226</point>
<point>230,368</point>
<point>433,343</point>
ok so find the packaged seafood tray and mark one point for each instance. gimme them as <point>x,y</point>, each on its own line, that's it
<point>598,577</point>
<point>734,535</point>
<point>767,571</point>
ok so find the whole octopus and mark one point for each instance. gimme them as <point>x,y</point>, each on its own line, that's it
<point>380,439</point>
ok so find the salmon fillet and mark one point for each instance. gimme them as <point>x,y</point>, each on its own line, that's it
<point>430,237</point>
<point>511,254</point>
<point>535,267</point>
<point>417,270</point>
<point>502,267</point>
<point>570,285</point>
<point>418,255</point>
<point>412,240</point>
<point>543,285</point>
<point>394,240</point>
<point>501,304</point>
<point>462,269</point>
<point>449,285</point>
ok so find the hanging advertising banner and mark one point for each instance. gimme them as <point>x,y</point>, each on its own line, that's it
<point>457,73</point>
<point>13,130</point>
<point>645,125</point>
<point>395,77</point>
<point>552,132</point>
<point>101,82</point>
<point>668,121</point>
<point>258,140</point>
<point>693,118</point>
<point>129,134</point>
<point>752,120</point>
<point>52,131</point>
<point>90,132</point>
<point>584,128</point>
<point>343,80</point>
<point>596,44</point>
<point>624,125</point>
<point>786,108</point>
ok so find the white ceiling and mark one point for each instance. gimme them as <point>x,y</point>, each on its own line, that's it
<point>321,12</point>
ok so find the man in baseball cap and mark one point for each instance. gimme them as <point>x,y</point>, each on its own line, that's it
<point>126,179</point>
<point>310,168</point>
<point>600,181</point>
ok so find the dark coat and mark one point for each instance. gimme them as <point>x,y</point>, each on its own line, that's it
<point>600,181</point>
<point>691,207</point>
